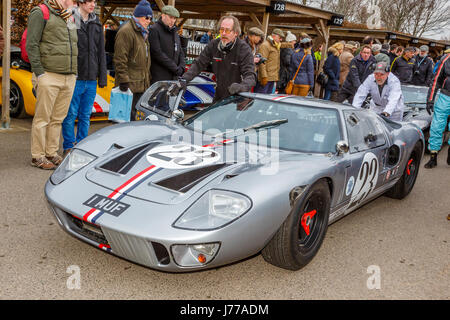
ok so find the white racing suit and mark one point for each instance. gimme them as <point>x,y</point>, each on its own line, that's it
<point>390,100</point>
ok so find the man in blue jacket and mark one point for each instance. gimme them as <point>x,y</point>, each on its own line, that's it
<point>360,68</point>
<point>91,67</point>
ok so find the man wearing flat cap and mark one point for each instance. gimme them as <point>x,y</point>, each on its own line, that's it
<point>254,39</point>
<point>132,53</point>
<point>423,68</point>
<point>268,73</point>
<point>167,55</point>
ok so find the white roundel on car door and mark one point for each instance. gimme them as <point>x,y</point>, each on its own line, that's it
<point>366,180</point>
<point>181,156</point>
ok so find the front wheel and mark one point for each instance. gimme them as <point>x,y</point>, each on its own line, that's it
<point>16,103</point>
<point>299,238</point>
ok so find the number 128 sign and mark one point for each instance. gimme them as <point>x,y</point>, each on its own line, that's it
<point>277,7</point>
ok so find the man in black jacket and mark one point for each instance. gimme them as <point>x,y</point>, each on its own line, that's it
<point>231,58</point>
<point>91,67</point>
<point>165,47</point>
<point>360,68</point>
<point>403,66</point>
<point>423,68</point>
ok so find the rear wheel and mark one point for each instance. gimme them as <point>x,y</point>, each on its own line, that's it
<point>404,186</point>
<point>299,238</point>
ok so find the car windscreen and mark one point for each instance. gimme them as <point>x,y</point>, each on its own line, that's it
<point>415,95</point>
<point>308,129</point>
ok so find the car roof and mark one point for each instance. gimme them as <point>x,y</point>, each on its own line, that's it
<point>300,101</point>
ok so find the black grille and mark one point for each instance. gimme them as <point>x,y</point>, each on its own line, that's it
<point>86,229</point>
<point>161,253</point>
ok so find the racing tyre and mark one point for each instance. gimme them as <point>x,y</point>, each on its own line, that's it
<point>299,238</point>
<point>404,186</point>
<point>16,104</point>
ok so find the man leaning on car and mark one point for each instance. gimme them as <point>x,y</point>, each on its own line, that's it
<point>52,50</point>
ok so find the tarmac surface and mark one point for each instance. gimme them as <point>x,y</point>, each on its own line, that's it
<point>389,249</point>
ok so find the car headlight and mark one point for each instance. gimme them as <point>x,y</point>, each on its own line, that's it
<point>213,210</point>
<point>73,162</point>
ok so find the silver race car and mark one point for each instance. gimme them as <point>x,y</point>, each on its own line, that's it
<point>252,173</point>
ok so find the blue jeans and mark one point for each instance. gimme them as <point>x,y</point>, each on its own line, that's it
<point>80,107</point>
<point>439,122</point>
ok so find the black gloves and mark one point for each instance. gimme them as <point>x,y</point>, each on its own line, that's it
<point>124,86</point>
<point>235,88</point>
<point>430,107</point>
<point>180,71</point>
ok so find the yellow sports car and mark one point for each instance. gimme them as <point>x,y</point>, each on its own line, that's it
<point>22,97</point>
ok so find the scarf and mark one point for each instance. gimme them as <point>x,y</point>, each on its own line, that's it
<point>63,13</point>
<point>144,31</point>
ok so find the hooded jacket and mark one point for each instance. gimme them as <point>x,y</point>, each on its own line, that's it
<point>270,69</point>
<point>167,55</point>
<point>305,75</point>
<point>287,50</point>
<point>332,68</point>
<point>91,50</point>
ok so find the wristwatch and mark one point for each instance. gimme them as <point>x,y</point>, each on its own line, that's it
<point>385,114</point>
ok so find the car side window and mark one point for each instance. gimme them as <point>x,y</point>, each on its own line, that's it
<point>364,130</point>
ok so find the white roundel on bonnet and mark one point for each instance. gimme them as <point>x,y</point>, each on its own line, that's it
<point>181,156</point>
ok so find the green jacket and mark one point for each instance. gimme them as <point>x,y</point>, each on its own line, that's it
<point>52,44</point>
<point>132,58</point>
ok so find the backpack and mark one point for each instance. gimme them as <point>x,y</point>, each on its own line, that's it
<point>23,40</point>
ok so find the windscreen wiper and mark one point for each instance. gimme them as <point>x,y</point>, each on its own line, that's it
<point>256,126</point>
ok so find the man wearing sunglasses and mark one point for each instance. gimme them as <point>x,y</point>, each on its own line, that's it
<point>165,47</point>
<point>132,53</point>
<point>231,59</point>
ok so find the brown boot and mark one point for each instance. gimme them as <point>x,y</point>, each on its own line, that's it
<point>42,163</point>
<point>56,160</point>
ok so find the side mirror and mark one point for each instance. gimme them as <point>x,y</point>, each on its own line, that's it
<point>178,114</point>
<point>15,65</point>
<point>342,147</point>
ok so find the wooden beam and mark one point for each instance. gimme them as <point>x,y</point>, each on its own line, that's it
<point>109,13</point>
<point>6,63</point>
<point>160,4</point>
<point>171,3</point>
<point>265,23</point>
<point>255,19</point>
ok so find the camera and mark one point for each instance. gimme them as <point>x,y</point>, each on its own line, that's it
<point>261,59</point>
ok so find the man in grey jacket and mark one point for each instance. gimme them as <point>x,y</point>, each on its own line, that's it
<point>386,92</point>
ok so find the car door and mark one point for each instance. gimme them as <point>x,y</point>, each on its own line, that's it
<point>368,146</point>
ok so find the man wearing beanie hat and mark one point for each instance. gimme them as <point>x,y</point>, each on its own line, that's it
<point>268,73</point>
<point>168,60</point>
<point>423,68</point>
<point>132,53</point>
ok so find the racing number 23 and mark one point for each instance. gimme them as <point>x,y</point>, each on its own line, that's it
<point>366,180</point>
